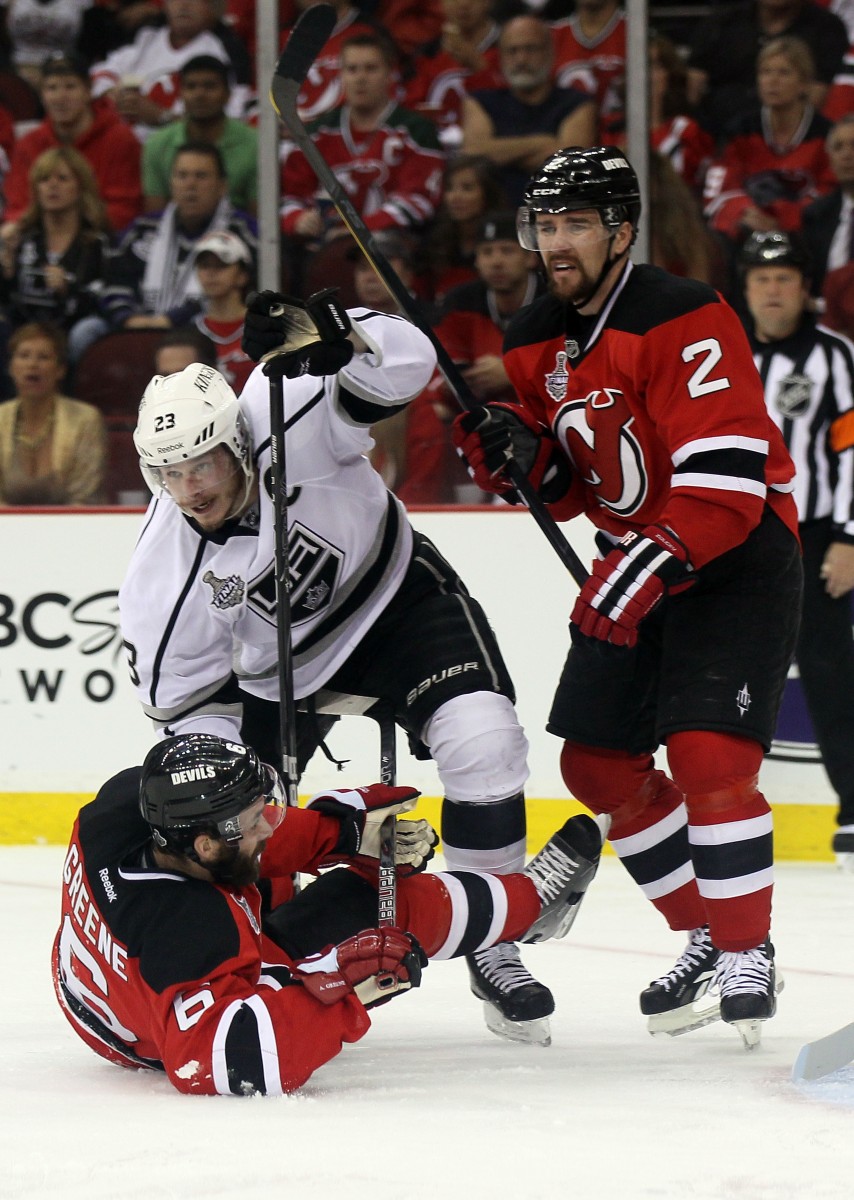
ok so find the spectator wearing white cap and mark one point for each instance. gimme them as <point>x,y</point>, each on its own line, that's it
<point>225,273</point>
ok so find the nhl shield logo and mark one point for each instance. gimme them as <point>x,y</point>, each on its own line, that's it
<point>793,395</point>
<point>572,347</point>
<point>557,382</point>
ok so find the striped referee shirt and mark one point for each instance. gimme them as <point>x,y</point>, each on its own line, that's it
<point>808,380</point>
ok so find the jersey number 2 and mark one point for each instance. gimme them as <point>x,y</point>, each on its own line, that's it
<point>699,384</point>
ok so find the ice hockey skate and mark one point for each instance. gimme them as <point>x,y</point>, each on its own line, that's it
<point>516,1005</point>
<point>748,985</point>
<point>843,848</point>
<point>681,1000</point>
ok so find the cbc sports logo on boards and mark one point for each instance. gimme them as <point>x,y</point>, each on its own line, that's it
<point>55,647</point>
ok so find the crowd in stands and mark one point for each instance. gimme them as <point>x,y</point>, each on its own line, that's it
<point>128,189</point>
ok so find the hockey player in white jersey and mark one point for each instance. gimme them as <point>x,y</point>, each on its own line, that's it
<point>376,610</point>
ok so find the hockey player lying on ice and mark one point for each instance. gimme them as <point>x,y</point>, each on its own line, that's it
<point>182,949</point>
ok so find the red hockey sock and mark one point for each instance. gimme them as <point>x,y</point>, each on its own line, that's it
<point>730,833</point>
<point>648,829</point>
<point>455,912</point>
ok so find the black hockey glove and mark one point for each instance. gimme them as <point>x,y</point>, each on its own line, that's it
<point>490,436</point>
<point>294,337</point>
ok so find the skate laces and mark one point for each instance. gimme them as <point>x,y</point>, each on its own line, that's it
<point>551,871</point>
<point>502,967</point>
<point>743,971</point>
<point>695,955</point>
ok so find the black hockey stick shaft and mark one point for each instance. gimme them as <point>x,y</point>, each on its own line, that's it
<point>279,484</point>
<point>387,903</point>
<point>307,38</point>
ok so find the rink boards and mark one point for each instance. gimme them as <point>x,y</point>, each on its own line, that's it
<point>70,718</point>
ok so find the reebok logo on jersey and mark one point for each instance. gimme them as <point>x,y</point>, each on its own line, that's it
<point>193,773</point>
<point>743,699</point>
<point>226,592</point>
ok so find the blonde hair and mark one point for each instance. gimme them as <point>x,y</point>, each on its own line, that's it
<point>796,52</point>
<point>93,213</point>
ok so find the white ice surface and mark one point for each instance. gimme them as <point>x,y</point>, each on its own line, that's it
<point>430,1104</point>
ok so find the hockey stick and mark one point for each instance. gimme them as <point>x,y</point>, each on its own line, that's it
<point>306,40</point>
<point>279,484</point>
<point>824,1055</point>
<point>384,716</point>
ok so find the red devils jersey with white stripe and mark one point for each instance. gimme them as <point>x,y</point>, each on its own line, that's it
<point>659,408</point>
<point>156,969</point>
<point>392,175</point>
<point>597,65</point>
<point>321,89</point>
<point>440,82</point>
<point>751,172</point>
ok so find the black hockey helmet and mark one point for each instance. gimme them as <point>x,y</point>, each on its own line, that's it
<point>774,248</point>
<point>198,783</point>
<point>599,177</point>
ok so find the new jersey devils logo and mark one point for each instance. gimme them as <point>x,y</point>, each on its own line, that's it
<point>598,437</point>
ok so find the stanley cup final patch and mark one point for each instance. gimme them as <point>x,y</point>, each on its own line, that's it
<point>226,592</point>
<point>557,382</point>
<point>794,394</point>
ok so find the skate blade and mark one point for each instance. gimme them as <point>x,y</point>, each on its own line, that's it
<point>750,1032</point>
<point>845,863</point>
<point>696,1015</point>
<point>530,1033</point>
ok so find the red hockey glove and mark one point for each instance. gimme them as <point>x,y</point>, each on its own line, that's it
<point>295,337</point>
<point>628,583</point>
<point>362,811</point>
<point>490,436</point>
<point>375,964</point>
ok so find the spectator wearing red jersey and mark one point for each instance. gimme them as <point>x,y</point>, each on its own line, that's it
<point>520,125</point>
<point>412,449</point>
<point>92,128</point>
<point>142,77</point>
<point>475,315</point>
<point>224,268</point>
<point>590,53</point>
<point>674,132</point>
<point>413,22</point>
<point>387,158</point>
<point>322,88</point>
<point>723,60</point>
<point>472,188</point>
<point>462,59</point>
<point>774,163</point>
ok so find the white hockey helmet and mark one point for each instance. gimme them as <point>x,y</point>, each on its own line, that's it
<point>187,414</point>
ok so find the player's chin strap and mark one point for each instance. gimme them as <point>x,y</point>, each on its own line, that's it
<point>601,277</point>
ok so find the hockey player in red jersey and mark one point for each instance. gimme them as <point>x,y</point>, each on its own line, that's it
<point>639,405</point>
<point>173,955</point>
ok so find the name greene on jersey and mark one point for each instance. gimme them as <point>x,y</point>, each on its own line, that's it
<point>658,406</point>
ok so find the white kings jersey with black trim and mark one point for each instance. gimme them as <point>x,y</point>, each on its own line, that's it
<point>659,408</point>
<point>198,612</point>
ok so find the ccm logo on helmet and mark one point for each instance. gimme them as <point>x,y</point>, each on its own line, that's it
<point>193,773</point>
